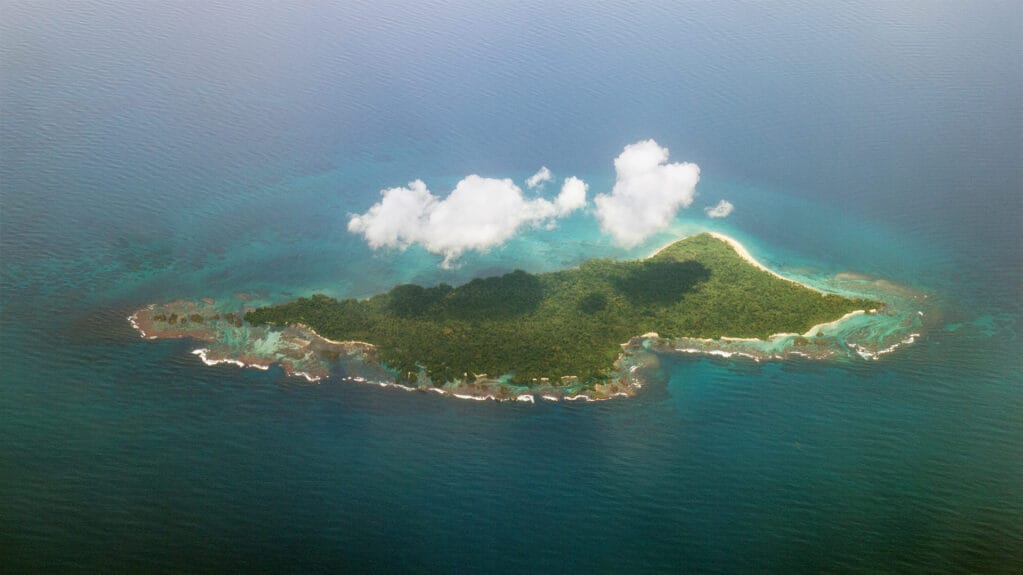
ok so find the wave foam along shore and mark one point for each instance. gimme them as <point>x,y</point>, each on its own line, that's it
<point>867,354</point>
<point>201,352</point>
<point>132,320</point>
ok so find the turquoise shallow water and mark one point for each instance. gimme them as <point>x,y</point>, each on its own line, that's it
<point>184,151</point>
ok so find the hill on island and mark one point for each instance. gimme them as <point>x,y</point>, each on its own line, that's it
<point>569,322</point>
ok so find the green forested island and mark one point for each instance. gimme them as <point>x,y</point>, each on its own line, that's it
<point>570,322</point>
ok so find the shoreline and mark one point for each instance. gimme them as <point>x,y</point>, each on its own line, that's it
<point>620,385</point>
<point>742,252</point>
<point>489,389</point>
<point>814,329</point>
<point>748,257</point>
<point>332,341</point>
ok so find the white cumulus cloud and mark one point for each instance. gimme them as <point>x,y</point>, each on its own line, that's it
<point>478,214</point>
<point>721,210</point>
<point>542,176</point>
<point>572,196</point>
<point>647,194</point>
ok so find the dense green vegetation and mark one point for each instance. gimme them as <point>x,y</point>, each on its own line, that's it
<point>569,322</point>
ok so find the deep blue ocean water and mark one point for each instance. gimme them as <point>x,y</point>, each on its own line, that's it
<point>150,152</point>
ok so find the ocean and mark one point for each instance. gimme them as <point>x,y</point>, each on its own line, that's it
<point>150,152</point>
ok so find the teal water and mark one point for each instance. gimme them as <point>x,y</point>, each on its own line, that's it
<point>149,153</point>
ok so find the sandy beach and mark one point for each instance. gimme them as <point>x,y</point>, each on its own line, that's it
<point>743,253</point>
<point>335,342</point>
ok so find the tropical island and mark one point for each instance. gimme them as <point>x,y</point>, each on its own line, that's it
<point>541,333</point>
<point>567,323</point>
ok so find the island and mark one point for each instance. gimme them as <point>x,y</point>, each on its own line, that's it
<point>576,333</point>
